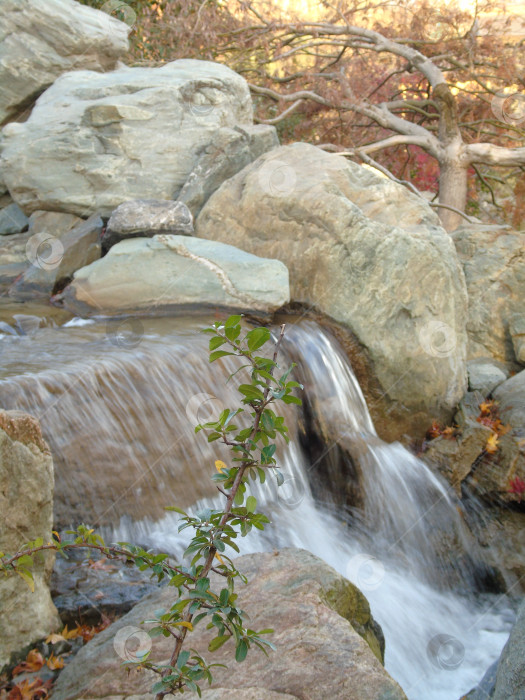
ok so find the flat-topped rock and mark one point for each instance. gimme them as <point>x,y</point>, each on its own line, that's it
<point>147,274</point>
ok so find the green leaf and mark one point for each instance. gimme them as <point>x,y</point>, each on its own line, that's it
<point>251,504</point>
<point>28,578</point>
<point>241,651</point>
<point>257,337</point>
<point>217,342</point>
<point>291,399</point>
<point>224,597</point>
<point>251,392</point>
<point>175,509</point>
<point>219,353</point>
<point>232,321</point>
<point>232,332</point>
<point>183,658</point>
<point>217,642</point>
<point>267,453</point>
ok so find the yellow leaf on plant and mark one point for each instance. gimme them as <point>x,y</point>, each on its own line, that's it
<point>183,623</point>
<point>219,465</point>
<point>218,556</point>
<point>28,578</point>
<point>492,444</point>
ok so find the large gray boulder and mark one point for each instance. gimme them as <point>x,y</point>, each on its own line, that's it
<point>493,260</point>
<point>363,250</point>
<point>327,641</point>
<point>40,40</point>
<point>95,140</point>
<point>26,512</point>
<point>168,270</point>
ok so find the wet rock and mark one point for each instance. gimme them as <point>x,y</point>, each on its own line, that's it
<point>500,533</point>
<point>41,40</point>
<point>319,620</point>
<point>26,512</point>
<point>510,677</point>
<point>167,270</point>
<point>12,220</point>
<point>146,218</point>
<point>88,586</point>
<point>485,688</point>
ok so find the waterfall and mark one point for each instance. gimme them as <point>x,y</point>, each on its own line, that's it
<point>118,409</point>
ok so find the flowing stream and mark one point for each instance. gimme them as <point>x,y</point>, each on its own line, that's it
<point>118,401</point>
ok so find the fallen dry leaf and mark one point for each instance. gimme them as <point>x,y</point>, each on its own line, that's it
<point>30,691</point>
<point>34,662</point>
<point>492,444</point>
<point>55,662</point>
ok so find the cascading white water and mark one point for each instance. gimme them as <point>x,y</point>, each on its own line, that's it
<point>400,543</point>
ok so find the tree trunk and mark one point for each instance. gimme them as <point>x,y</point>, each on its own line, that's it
<point>452,191</point>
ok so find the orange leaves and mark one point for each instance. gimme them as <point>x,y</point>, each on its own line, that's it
<point>34,662</point>
<point>25,690</point>
<point>489,416</point>
<point>36,689</point>
<point>54,663</point>
<point>436,430</point>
